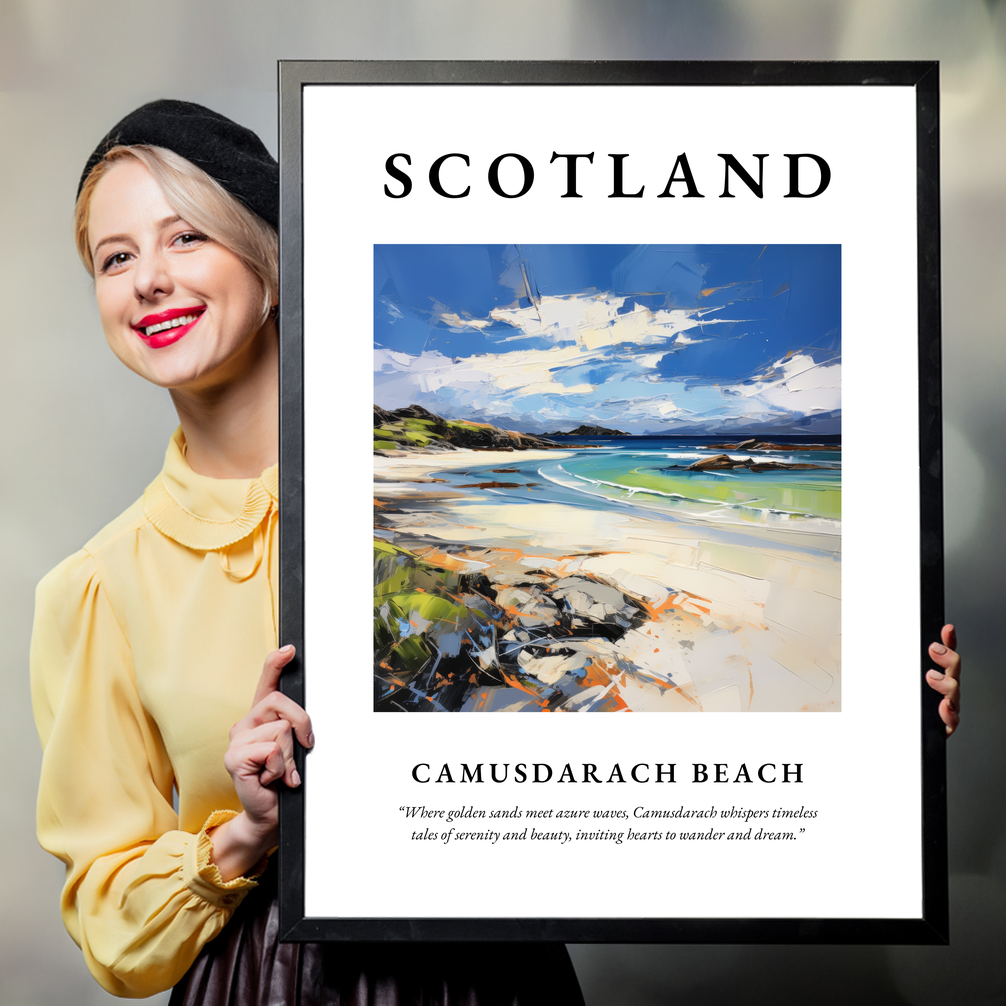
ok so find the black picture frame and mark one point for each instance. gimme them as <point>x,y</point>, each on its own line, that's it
<point>931,927</point>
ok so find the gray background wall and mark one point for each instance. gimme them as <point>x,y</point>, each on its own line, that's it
<point>81,436</point>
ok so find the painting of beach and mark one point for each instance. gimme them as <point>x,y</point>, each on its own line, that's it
<point>607,478</point>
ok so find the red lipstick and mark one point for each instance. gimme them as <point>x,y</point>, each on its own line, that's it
<point>166,327</point>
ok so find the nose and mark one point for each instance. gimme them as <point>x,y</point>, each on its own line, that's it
<point>152,276</point>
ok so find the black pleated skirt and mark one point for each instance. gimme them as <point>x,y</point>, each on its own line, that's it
<point>246,965</point>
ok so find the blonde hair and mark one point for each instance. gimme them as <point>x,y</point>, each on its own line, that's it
<point>199,200</point>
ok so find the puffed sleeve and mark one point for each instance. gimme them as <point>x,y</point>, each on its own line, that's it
<point>141,897</point>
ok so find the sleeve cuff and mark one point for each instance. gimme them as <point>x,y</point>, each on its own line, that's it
<point>202,876</point>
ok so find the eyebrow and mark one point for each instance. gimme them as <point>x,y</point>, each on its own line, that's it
<point>111,238</point>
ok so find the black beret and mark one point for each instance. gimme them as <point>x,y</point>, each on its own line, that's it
<point>230,154</point>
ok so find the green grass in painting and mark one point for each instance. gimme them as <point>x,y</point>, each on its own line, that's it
<point>409,596</point>
<point>416,432</point>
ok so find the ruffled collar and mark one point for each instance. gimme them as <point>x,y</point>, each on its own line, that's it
<point>203,513</point>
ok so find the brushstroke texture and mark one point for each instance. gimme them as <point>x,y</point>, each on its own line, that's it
<point>607,479</point>
<point>651,339</point>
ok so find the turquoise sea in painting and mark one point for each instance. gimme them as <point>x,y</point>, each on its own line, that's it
<point>652,473</point>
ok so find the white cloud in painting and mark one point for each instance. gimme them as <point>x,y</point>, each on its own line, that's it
<point>519,373</point>
<point>587,331</point>
<point>456,323</point>
<point>593,321</point>
<point>600,366</point>
<point>798,384</point>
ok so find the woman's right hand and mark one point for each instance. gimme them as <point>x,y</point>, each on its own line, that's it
<point>259,754</point>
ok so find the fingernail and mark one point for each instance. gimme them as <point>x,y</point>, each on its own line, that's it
<point>938,648</point>
<point>295,777</point>
<point>936,675</point>
<point>286,649</point>
<point>310,740</point>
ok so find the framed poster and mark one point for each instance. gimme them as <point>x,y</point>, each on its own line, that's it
<point>652,357</point>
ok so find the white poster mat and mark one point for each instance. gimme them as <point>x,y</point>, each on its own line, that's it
<point>861,856</point>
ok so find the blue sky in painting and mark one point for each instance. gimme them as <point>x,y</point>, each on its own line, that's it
<point>645,338</point>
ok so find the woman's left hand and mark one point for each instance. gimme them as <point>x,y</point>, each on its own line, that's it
<point>947,682</point>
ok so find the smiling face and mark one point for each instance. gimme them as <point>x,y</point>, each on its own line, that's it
<point>177,307</point>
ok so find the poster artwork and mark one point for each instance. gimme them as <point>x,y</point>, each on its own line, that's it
<point>628,455</point>
<point>607,477</point>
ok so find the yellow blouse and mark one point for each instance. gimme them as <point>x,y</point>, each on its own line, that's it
<point>147,647</point>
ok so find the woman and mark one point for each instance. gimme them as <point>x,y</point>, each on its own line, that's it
<point>149,642</point>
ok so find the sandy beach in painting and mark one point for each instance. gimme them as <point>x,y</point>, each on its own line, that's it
<point>713,614</point>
